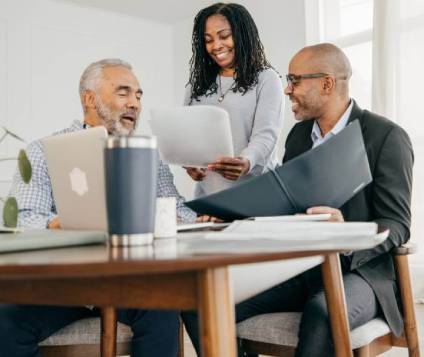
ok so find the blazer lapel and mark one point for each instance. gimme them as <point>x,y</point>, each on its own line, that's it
<point>299,142</point>
<point>307,144</point>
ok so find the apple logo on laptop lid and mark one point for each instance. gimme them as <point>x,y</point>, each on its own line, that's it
<point>78,181</point>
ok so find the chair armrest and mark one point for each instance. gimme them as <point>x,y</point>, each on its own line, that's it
<point>405,249</point>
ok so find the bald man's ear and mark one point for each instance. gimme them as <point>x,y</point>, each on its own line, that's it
<point>329,84</point>
<point>89,100</point>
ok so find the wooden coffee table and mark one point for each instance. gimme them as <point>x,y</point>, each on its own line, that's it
<point>146,278</point>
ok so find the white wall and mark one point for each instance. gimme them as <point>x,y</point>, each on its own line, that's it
<point>281,25</point>
<point>45,46</point>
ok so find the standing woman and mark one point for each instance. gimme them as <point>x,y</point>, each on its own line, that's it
<point>229,69</point>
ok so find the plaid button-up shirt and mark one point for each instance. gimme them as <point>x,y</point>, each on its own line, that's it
<point>35,199</point>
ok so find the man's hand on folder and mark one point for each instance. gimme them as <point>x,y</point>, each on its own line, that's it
<point>230,168</point>
<point>197,174</point>
<point>206,218</point>
<point>336,214</point>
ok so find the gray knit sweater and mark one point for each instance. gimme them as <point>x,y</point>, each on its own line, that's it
<point>256,121</point>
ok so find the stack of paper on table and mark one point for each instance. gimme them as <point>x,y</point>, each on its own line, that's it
<point>269,236</point>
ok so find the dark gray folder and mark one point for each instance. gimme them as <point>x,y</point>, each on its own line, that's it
<point>329,175</point>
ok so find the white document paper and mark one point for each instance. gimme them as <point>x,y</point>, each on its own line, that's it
<point>193,135</point>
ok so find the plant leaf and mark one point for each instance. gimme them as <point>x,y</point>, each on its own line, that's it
<point>10,213</point>
<point>13,134</point>
<point>24,166</point>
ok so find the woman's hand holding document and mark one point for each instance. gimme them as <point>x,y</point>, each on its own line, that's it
<point>199,138</point>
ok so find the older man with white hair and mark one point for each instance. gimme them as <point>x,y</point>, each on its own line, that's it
<point>110,96</point>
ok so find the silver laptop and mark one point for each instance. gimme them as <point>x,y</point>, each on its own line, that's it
<point>76,170</point>
<point>193,135</point>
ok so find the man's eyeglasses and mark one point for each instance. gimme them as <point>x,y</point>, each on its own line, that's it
<point>294,79</point>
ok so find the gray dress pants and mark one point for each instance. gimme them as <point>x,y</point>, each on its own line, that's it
<point>305,293</point>
<point>22,327</point>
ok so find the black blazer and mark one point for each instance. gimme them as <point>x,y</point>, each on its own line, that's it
<point>385,201</point>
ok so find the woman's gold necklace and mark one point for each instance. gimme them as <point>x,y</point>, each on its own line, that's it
<point>223,94</point>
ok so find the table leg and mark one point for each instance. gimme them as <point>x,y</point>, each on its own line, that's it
<point>336,302</point>
<point>216,313</point>
<point>108,335</point>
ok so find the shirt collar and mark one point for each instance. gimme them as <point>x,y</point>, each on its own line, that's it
<point>76,125</point>
<point>316,136</point>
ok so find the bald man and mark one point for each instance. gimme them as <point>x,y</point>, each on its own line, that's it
<point>318,87</point>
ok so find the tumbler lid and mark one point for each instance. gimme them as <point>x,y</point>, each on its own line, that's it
<point>147,142</point>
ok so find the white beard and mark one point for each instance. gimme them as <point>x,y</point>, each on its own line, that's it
<point>111,120</point>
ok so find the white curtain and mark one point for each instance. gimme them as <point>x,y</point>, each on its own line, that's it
<point>385,59</point>
<point>398,90</point>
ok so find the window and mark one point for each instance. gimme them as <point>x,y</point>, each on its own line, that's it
<point>353,26</point>
<point>347,24</point>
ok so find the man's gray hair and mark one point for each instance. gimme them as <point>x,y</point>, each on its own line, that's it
<point>92,75</point>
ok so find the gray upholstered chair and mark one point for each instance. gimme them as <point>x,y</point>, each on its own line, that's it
<point>82,338</point>
<point>276,334</point>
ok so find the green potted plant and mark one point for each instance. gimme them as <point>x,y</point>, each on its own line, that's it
<point>10,208</point>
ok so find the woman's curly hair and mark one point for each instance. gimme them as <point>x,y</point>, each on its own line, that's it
<point>250,57</point>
